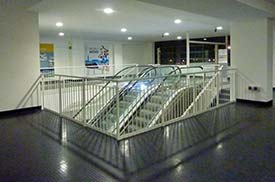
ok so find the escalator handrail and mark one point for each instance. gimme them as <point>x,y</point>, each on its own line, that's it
<point>176,68</point>
<point>192,67</point>
<point>123,90</point>
<point>178,80</point>
<point>128,67</point>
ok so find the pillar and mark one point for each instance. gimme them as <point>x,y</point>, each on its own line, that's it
<point>252,52</point>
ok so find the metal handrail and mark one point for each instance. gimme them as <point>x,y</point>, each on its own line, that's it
<point>155,115</point>
<point>183,68</point>
<point>123,90</point>
<point>176,68</point>
<point>30,91</point>
<point>203,90</point>
<point>129,67</point>
<point>183,74</point>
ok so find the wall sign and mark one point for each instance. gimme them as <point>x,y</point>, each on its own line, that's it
<point>46,58</point>
<point>223,56</point>
<point>97,55</point>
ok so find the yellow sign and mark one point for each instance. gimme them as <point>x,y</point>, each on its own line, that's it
<point>46,48</point>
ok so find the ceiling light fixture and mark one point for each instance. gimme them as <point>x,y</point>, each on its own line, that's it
<point>229,47</point>
<point>179,37</point>
<point>219,28</point>
<point>166,34</point>
<point>123,30</point>
<point>177,21</point>
<point>61,34</point>
<point>204,39</point>
<point>130,38</point>
<point>59,24</point>
<point>108,10</point>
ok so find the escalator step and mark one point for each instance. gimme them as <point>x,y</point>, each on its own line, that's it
<point>132,128</point>
<point>129,98</point>
<point>152,106</point>
<point>156,99</point>
<point>140,121</point>
<point>147,114</point>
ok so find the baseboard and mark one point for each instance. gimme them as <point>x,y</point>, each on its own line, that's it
<point>16,112</point>
<point>257,103</point>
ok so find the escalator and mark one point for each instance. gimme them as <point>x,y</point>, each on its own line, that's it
<point>129,72</point>
<point>142,99</point>
<point>151,111</point>
<point>130,96</point>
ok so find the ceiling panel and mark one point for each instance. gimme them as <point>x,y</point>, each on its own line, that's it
<point>145,22</point>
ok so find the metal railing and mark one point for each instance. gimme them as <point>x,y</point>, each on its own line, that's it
<point>87,71</point>
<point>138,99</point>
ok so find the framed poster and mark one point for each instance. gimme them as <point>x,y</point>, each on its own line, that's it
<point>222,56</point>
<point>46,58</point>
<point>98,55</point>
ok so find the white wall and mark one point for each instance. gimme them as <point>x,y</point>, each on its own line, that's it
<point>138,53</point>
<point>252,52</point>
<point>119,49</point>
<point>19,55</point>
<point>63,56</point>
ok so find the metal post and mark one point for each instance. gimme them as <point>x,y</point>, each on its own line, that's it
<point>218,87</point>
<point>216,53</point>
<point>227,52</point>
<point>233,86</point>
<point>83,100</point>
<point>194,94</point>
<point>187,49</point>
<point>204,75</point>
<point>158,55</point>
<point>42,92</point>
<point>117,105</point>
<point>60,94</point>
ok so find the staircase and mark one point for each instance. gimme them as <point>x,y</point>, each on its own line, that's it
<point>159,106</point>
<point>148,111</point>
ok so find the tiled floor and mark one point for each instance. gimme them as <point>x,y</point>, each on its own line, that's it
<point>233,143</point>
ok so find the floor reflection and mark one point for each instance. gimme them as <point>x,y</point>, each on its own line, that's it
<point>144,155</point>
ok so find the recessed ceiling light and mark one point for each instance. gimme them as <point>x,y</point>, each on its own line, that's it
<point>59,24</point>
<point>179,37</point>
<point>229,47</point>
<point>130,38</point>
<point>61,34</point>
<point>123,30</point>
<point>108,10</point>
<point>166,34</point>
<point>219,28</point>
<point>204,39</point>
<point>177,21</point>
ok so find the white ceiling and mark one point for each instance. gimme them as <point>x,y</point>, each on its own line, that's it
<point>18,3</point>
<point>230,10</point>
<point>145,22</point>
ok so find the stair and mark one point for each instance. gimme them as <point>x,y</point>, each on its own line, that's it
<point>224,96</point>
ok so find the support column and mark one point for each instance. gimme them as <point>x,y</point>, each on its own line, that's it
<point>226,47</point>
<point>252,49</point>
<point>216,54</point>
<point>19,56</point>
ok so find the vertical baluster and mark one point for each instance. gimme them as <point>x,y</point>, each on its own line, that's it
<point>83,101</point>
<point>117,114</point>
<point>60,95</point>
<point>43,91</point>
